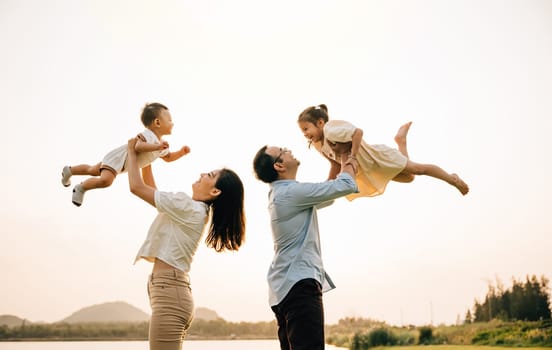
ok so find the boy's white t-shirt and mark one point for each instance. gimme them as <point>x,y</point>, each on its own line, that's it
<point>116,159</point>
<point>175,233</point>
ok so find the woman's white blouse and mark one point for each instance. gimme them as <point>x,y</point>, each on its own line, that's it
<point>175,233</point>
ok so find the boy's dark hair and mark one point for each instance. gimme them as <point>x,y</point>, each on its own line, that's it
<point>150,112</point>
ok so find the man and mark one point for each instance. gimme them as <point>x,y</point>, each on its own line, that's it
<point>296,277</point>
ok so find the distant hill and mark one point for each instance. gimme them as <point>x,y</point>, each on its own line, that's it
<point>117,311</point>
<point>12,321</point>
<point>203,313</point>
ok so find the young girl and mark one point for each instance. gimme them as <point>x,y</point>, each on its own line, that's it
<point>158,122</point>
<point>378,164</point>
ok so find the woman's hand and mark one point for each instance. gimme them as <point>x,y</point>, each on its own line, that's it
<point>132,144</point>
<point>145,191</point>
<point>163,145</point>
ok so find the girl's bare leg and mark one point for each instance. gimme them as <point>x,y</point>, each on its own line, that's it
<point>460,184</point>
<point>436,172</point>
<point>400,138</point>
<point>404,177</point>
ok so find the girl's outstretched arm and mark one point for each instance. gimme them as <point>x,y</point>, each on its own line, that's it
<point>135,181</point>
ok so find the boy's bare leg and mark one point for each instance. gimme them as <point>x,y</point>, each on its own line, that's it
<point>85,169</point>
<point>104,180</point>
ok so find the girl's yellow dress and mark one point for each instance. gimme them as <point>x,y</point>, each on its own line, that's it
<point>378,164</point>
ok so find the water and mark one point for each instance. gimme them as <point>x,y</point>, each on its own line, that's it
<point>143,345</point>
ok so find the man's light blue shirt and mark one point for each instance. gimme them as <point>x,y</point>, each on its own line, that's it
<point>297,254</point>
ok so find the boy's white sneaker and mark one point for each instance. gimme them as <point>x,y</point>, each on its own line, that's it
<point>66,176</point>
<point>78,195</point>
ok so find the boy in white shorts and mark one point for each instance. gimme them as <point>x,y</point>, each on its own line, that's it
<point>158,122</point>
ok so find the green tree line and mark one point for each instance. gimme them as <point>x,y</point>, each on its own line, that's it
<point>518,316</point>
<point>526,301</point>
<point>200,329</point>
<point>76,331</point>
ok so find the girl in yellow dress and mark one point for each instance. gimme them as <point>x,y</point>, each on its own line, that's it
<point>378,164</point>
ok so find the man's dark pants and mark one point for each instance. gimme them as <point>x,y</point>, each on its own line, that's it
<point>300,317</point>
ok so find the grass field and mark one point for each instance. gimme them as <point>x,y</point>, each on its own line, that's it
<point>359,334</point>
<point>452,347</point>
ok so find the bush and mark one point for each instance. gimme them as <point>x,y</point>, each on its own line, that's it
<point>426,336</point>
<point>406,338</point>
<point>382,337</point>
<point>360,342</point>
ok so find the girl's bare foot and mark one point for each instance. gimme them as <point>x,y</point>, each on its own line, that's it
<point>459,184</point>
<point>400,138</point>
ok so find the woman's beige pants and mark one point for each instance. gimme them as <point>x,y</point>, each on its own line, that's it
<point>172,309</point>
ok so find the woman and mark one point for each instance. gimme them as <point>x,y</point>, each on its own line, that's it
<point>217,203</point>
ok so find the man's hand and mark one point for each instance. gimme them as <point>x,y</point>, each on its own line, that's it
<point>340,147</point>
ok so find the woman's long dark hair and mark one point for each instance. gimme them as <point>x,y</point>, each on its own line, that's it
<point>227,227</point>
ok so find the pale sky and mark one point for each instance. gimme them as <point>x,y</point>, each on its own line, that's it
<point>475,77</point>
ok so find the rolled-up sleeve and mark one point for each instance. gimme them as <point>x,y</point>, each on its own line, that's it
<point>339,131</point>
<point>309,194</point>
